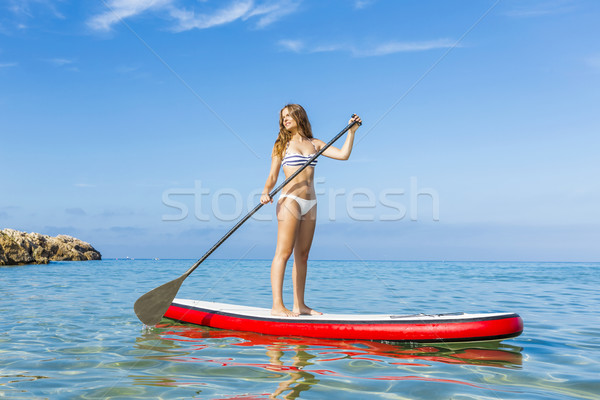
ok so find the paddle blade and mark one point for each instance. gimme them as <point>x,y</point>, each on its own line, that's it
<point>151,306</point>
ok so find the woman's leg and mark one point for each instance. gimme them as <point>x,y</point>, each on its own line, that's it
<point>304,239</point>
<point>287,227</point>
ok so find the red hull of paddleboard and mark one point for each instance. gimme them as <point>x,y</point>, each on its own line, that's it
<point>420,328</point>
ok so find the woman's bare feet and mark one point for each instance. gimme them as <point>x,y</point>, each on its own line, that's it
<point>305,310</point>
<point>283,312</point>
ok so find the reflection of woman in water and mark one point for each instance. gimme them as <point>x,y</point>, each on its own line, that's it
<point>296,208</point>
<point>300,360</point>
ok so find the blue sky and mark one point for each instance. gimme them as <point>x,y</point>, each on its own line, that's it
<point>144,127</point>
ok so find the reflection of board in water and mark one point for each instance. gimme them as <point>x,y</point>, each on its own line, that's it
<point>491,353</point>
<point>300,363</point>
<point>455,327</point>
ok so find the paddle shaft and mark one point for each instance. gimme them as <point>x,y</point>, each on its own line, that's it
<point>273,193</point>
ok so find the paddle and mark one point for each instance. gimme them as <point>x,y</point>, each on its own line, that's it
<point>151,306</point>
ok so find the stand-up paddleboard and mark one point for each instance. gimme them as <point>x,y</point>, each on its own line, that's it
<point>455,327</point>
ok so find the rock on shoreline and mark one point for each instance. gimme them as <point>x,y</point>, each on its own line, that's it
<point>18,248</point>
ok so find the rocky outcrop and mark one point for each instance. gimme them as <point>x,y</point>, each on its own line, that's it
<point>33,248</point>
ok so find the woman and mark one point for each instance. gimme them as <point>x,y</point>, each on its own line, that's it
<point>296,208</point>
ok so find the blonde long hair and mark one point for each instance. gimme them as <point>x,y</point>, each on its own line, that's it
<point>299,115</point>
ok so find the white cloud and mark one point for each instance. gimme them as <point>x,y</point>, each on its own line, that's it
<point>8,64</point>
<point>59,62</point>
<point>272,11</point>
<point>382,49</point>
<point>24,12</point>
<point>19,7</point>
<point>327,48</point>
<point>121,9</point>
<point>189,20</point>
<point>185,19</point>
<point>64,63</point>
<point>403,47</point>
<point>28,8</point>
<point>292,45</point>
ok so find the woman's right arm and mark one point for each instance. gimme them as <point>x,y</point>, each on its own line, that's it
<point>271,180</point>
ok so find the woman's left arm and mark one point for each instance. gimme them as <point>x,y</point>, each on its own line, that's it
<point>344,152</point>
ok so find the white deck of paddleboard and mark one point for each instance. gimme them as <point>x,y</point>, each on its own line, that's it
<point>257,312</point>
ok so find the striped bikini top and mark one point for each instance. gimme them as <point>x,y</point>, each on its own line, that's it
<point>297,159</point>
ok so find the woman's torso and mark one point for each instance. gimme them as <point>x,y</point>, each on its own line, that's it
<point>294,157</point>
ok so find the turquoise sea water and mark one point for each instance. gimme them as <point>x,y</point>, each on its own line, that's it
<point>69,332</point>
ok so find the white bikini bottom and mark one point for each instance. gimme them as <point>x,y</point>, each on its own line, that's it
<point>305,204</point>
